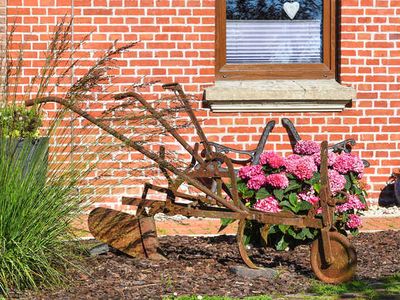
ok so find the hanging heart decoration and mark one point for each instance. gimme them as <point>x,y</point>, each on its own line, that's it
<point>291,9</point>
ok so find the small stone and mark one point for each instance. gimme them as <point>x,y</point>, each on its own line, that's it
<point>99,249</point>
<point>253,273</point>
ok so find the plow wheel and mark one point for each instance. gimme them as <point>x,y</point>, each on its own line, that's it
<point>344,261</point>
<point>241,242</point>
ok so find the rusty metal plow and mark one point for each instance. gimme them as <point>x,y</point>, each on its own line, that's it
<point>212,173</point>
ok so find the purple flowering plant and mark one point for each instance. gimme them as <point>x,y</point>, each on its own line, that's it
<point>293,184</point>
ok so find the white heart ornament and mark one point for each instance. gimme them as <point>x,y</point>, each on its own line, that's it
<point>291,9</point>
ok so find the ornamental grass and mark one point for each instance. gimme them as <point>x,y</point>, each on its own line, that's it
<point>42,191</point>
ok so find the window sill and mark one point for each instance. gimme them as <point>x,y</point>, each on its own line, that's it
<point>278,96</point>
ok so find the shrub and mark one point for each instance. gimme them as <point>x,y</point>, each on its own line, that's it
<point>35,217</point>
<point>293,184</point>
<point>17,121</point>
<point>36,211</point>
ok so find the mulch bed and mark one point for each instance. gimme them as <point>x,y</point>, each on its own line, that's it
<point>201,266</point>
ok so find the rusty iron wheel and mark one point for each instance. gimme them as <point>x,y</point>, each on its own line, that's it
<point>242,247</point>
<point>344,265</point>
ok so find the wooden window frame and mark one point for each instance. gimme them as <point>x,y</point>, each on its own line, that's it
<point>324,70</point>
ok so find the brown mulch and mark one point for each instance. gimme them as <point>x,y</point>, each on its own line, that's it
<point>201,266</point>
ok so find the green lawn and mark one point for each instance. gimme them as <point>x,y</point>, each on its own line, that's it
<point>384,288</point>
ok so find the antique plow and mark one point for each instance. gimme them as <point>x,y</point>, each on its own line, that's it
<point>212,174</point>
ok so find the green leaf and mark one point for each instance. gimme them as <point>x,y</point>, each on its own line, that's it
<point>293,185</point>
<point>282,244</point>
<point>285,203</point>
<point>348,182</point>
<point>224,223</point>
<point>293,199</point>
<point>292,233</point>
<point>248,194</point>
<point>241,186</point>
<point>315,179</point>
<point>246,239</point>
<point>353,178</point>
<point>283,228</point>
<point>273,229</point>
<point>262,193</point>
<point>304,205</point>
<point>278,194</point>
<point>317,187</point>
<point>290,176</point>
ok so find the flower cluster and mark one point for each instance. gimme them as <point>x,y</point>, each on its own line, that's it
<point>303,167</point>
<point>307,147</point>
<point>347,162</point>
<point>272,159</point>
<point>353,203</point>
<point>354,222</point>
<point>269,204</point>
<point>248,172</point>
<point>331,158</point>
<point>337,181</point>
<point>256,182</point>
<point>278,180</point>
<point>309,196</point>
<point>293,184</point>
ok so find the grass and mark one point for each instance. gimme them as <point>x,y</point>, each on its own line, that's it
<point>41,193</point>
<point>199,297</point>
<point>35,216</point>
<point>384,287</point>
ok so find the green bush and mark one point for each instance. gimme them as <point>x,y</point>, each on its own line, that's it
<point>19,122</point>
<point>35,217</point>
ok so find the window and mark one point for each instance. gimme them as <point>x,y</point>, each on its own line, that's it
<point>275,39</point>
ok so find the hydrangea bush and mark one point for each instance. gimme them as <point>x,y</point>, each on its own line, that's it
<point>293,184</point>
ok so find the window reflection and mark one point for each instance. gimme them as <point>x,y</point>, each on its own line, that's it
<point>274,31</point>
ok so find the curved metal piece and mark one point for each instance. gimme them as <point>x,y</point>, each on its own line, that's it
<point>294,136</point>
<point>242,247</point>
<point>344,146</point>
<point>343,266</point>
<point>263,140</point>
<point>254,154</point>
<point>180,94</point>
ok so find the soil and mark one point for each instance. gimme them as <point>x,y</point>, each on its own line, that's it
<point>201,266</point>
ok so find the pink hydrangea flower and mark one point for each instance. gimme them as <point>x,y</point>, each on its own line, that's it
<point>269,204</point>
<point>353,203</point>
<point>248,172</point>
<point>307,147</point>
<point>346,162</point>
<point>277,180</point>
<point>354,221</point>
<point>337,181</point>
<point>331,158</point>
<point>302,167</point>
<point>272,159</point>
<point>256,182</point>
<point>309,196</point>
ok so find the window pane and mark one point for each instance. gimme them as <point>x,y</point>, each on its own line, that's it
<point>274,31</point>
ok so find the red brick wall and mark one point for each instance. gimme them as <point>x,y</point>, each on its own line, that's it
<point>177,44</point>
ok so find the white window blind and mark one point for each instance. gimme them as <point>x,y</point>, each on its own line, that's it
<point>273,41</point>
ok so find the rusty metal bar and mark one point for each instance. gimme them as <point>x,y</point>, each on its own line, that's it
<point>178,91</point>
<point>138,147</point>
<point>163,122</point>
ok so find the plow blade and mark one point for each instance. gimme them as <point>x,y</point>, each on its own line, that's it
<point>134,236</point>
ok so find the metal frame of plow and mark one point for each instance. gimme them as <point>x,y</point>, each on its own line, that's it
<point>209,172</point>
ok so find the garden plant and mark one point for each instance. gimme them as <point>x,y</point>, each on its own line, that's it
<point>40,193</point>
<point>293,184</point>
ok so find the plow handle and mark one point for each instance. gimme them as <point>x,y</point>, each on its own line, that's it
<point>140,148</point>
